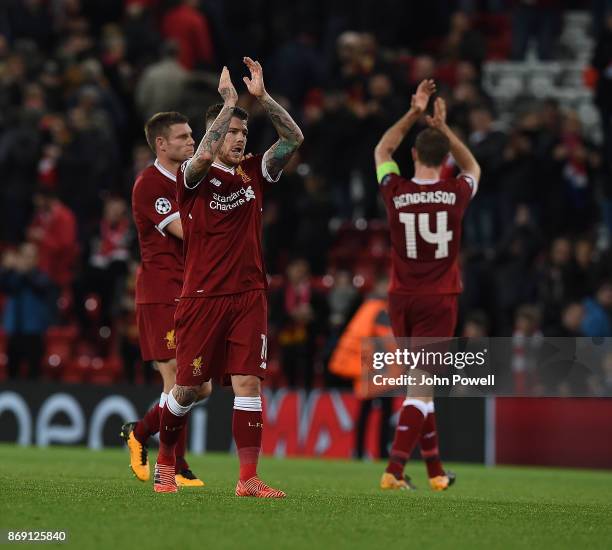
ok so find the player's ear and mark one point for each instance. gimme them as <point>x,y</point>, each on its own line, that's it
<point>160,142</point>
<point>415,157</point>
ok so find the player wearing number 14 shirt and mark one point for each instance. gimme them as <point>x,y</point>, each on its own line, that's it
<point>425,215</point>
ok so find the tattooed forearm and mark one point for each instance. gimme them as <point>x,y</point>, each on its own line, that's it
<point>277,156</point>
<point>212,140</point>
<point>290,136</point>
<point>287,129</point>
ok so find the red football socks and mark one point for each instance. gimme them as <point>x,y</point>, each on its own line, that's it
<point>407,433</point>
<point>180,449</point>
<point>429,445</point>
<point>148,425</point>
<point>170,429</point>
<point>247,428</point>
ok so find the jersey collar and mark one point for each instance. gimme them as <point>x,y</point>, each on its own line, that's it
<point>229,169</point>
<point>424,182</point>
<point>165,172</point>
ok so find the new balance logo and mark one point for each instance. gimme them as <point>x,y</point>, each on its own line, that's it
<point>216,182</point>
<point>249,194</point>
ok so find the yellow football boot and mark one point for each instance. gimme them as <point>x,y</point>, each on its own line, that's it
<point>186,478</point>
<point>441,483</point>
<point>389,481</point>
<point>139,454</point>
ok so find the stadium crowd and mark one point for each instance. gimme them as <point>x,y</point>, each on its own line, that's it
<point>78,78</point>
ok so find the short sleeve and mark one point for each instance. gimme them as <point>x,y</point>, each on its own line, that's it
<point>158,205</point>
<point>264,172</point>
<point>470,181</point>
<point>181,178</point>
<point>388,184</point>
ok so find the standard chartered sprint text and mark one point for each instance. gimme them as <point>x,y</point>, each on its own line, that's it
<point>422,358</point>
<point>233,200</point>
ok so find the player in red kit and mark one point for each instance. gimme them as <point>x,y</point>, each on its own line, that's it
<point>425,215</point>
<point>221,320</point>
<point>159,279</point>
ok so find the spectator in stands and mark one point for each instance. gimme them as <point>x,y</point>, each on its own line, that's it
<point>579,161</point>
<point>314,210</point>
<point>598,309</point>
<point>295,68</point>
<point>518,184</point>
<point>557,281</point>
<point>572,317</point>
<point>487,145</point>
<point>585,268</point>
<point>160,87</point>
<point>539,20</point>
<point>515,281</point>
<point>54,230</point>
<point>189,28</point>
<point>347,62</point>
<point>379,109</point>
<point>476,325</point>
<point>88,161</point>
<point>463,42</point>
<point>106,268</point>
<point>330,130</point>
<point>526,344</point>
<point>342,300</point>
<point>298,311</point>
<point>141,34</point>
<point>27,313</point>
<point>30,19</point>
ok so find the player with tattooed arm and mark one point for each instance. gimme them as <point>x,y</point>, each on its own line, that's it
<point>221,319</point>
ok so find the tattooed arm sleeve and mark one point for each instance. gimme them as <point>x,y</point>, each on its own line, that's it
<point>200,162</point>
<point>290,137</point>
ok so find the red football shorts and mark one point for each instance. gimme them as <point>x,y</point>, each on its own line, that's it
<point>431,315</point>
<point>156,331</point>
<point>220,336</point>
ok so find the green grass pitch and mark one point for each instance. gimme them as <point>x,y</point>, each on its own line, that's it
<point>330,504</point>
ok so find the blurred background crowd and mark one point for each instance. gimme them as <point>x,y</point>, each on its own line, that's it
<point>529,87</point>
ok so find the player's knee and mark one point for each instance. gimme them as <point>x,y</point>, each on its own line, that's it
<point>185,395</point>
<point>205,390</point>
<point>166,368</point>
<point>248,386</point>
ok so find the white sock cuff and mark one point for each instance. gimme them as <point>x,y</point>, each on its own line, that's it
<point>175,408</point>
<point>162,400</point>
<point>430,407</point>
<point>247,403</point>
<point>421,405</point>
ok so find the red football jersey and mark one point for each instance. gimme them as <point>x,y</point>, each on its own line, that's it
<point>222,218</point>
<point>160,275</point>
<point>425,223</point>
